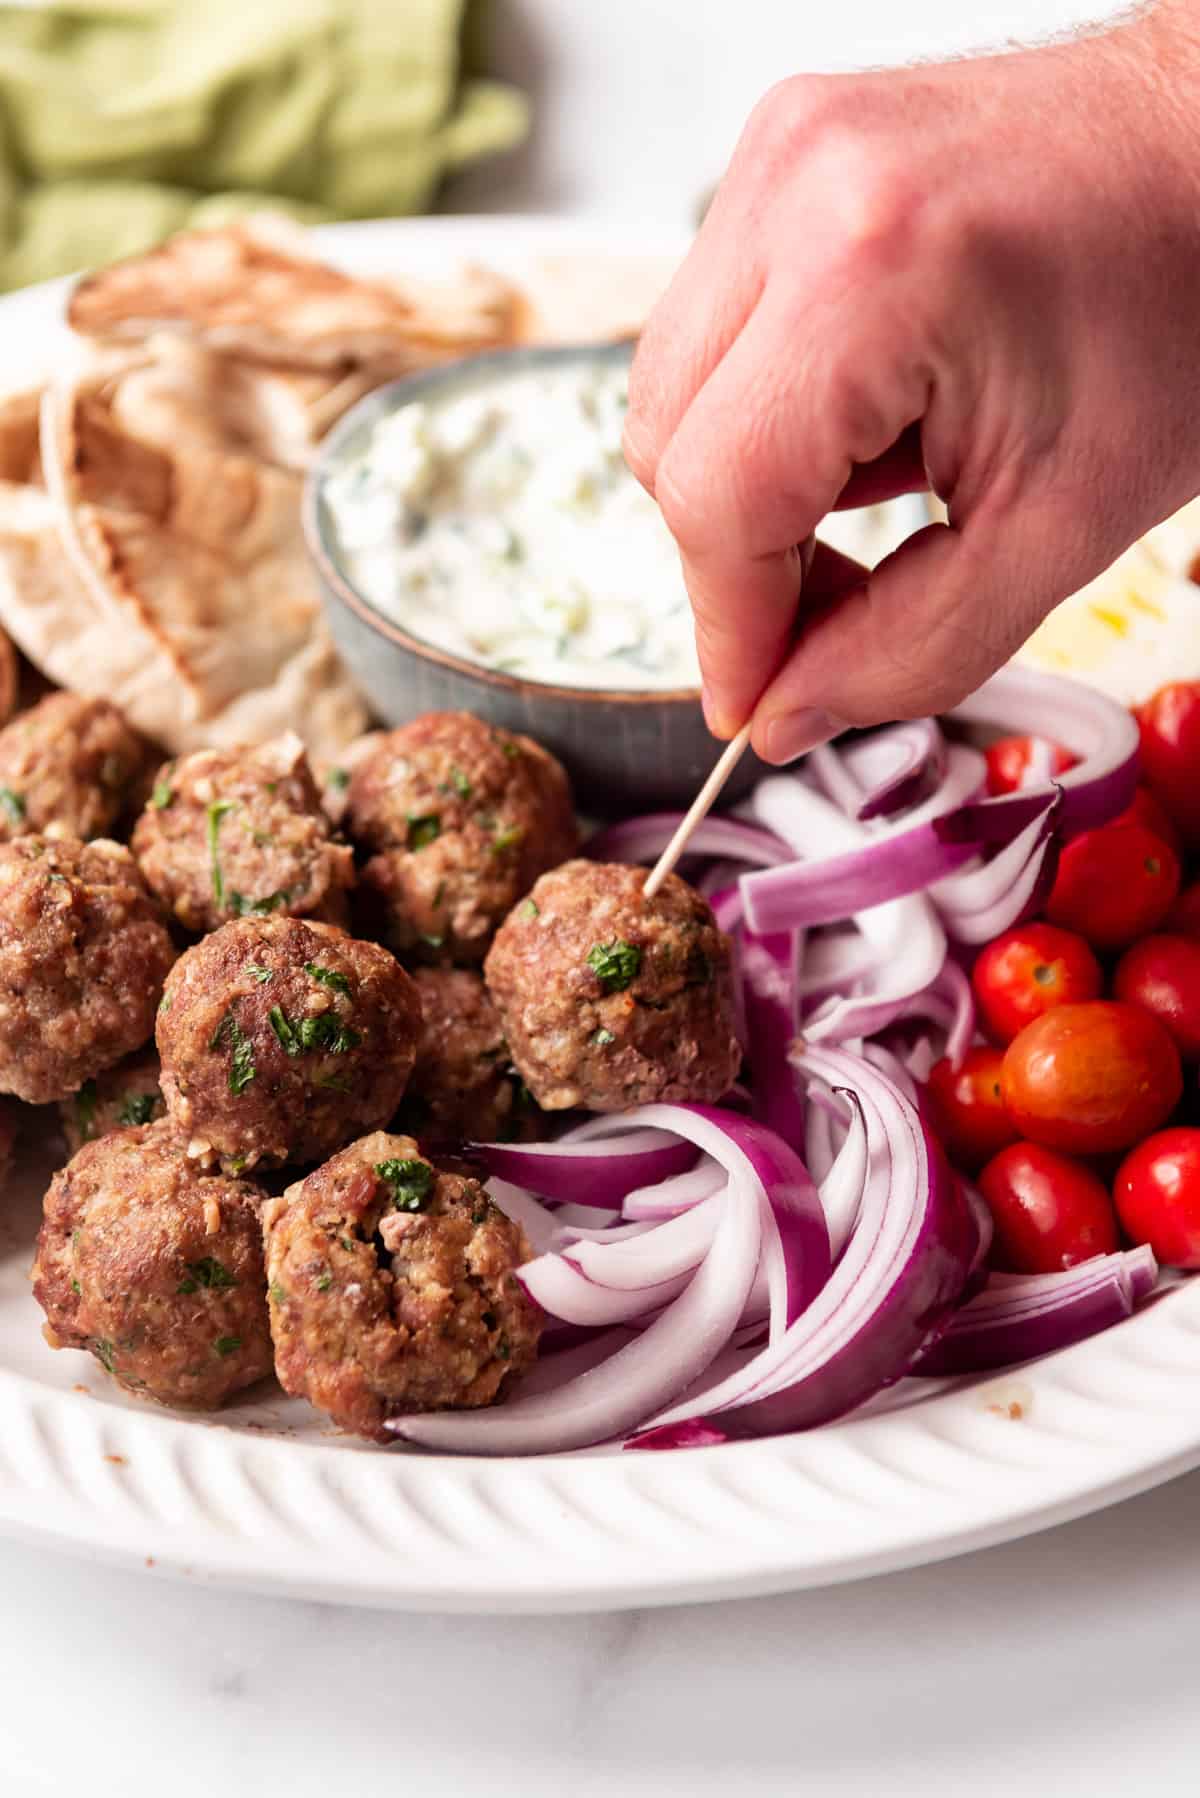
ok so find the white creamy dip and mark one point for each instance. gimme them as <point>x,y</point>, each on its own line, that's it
<point>501,524</point>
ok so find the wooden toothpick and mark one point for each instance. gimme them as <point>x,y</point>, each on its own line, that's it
<point>699,809</point>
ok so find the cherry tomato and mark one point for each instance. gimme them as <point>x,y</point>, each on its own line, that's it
<point>1114,884</point>
<point>1162,975</point>
<point>1028,970</point>
<point>966,1108</point>
<point>1050,1212</point>
<point>1157,1191</point>
<point>1184,916</point>
<point>1170,727</point>
<point>1008,760</point>
<point>1145,809</point>
<point>1091,1079</point>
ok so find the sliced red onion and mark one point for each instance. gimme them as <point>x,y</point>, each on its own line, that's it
<point>768,967</point>
<point>693,1434</point>
<point>574,1172</point>
<point>662,1361</point>
<point>674,1247</point>
<point>540,1226</point>
<point>559,1288</point>
<point>1102,733</point>
<point>669,1197</point>
<point>978,903</point>
<point>903,1271</point>
<point>847,870</point>
<point>1037,1314</point>
<point>833,962</point>
<point>897,767</point>
<point>949,1003</point>
<point>908,942</point>
<point>644,839</point>
<point>842,1188</point>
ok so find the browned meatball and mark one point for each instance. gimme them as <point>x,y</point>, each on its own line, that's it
<point>462,817</point>
<point>67,767</point>
<point>233,833</point>
<point>83,956</point>
<point>156,1268</point>
<point>610,1000</point>
<point>463,1085</point>
<point>123,1095</point>
<point>281,1039</point>
<point>392,1287</point>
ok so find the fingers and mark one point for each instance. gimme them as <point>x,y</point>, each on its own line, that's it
<point>760,456</point>
<point>922,631</point>
<point>711,296</point>
<point>899,470</point>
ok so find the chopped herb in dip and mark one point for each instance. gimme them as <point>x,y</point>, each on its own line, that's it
<point>227,1345</point>
<point>424,830</point>
<point>13,805</point>
<point>338,779</point>
<point>614,964</point>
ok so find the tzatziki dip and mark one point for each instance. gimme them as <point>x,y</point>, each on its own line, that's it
<point>501,523</point>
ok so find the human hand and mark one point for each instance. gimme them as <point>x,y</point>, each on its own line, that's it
<point>978,277</point>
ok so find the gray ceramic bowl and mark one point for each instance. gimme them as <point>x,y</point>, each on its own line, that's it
<point>625,751</point>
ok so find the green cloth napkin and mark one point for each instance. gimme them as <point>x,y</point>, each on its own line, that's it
<point>124,120</point>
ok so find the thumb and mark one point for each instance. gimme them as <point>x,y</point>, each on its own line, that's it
<point>923,630</point>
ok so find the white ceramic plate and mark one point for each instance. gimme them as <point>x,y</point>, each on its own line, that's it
<point>266,1497</point>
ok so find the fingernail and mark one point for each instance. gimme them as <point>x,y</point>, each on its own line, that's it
<point>636,448</point>
<point>712,711</point>
<point>798,732</point>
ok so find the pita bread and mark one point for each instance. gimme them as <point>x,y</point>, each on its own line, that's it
<point>172,579</point>
<point>251,291</point>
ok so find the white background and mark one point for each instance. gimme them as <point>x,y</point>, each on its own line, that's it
<point>1065,1663</point>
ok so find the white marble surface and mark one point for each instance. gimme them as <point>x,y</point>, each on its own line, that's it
<point>1066,1662</point>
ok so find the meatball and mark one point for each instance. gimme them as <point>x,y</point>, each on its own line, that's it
<point>156,1268</point>
<point>83,956</point>
<point>333,778</point>
<point>67,767</point>
<point>126,1094</point>
<point>463,1084</point>
<point>610,1000</point>
<point>461,818</point>
<point>232,833</point>
<point>282,1039</point>
<point>392,1287</point>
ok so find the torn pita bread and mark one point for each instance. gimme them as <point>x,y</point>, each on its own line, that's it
<point>252,291</point>
<point>171,579</point>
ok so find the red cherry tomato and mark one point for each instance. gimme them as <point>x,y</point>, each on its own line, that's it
<point>1114,884</point>
<point>1050,1212</point>
<point>1028,970</point>
<point>1162,975</point>
<point>1170,727</point>
<point>1145,809</point>
<point>1091,1079</point>
<point>1157,1191</point>
<point>1184,916</point>
<point>966,1108</point>
<point>1008,761</point>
